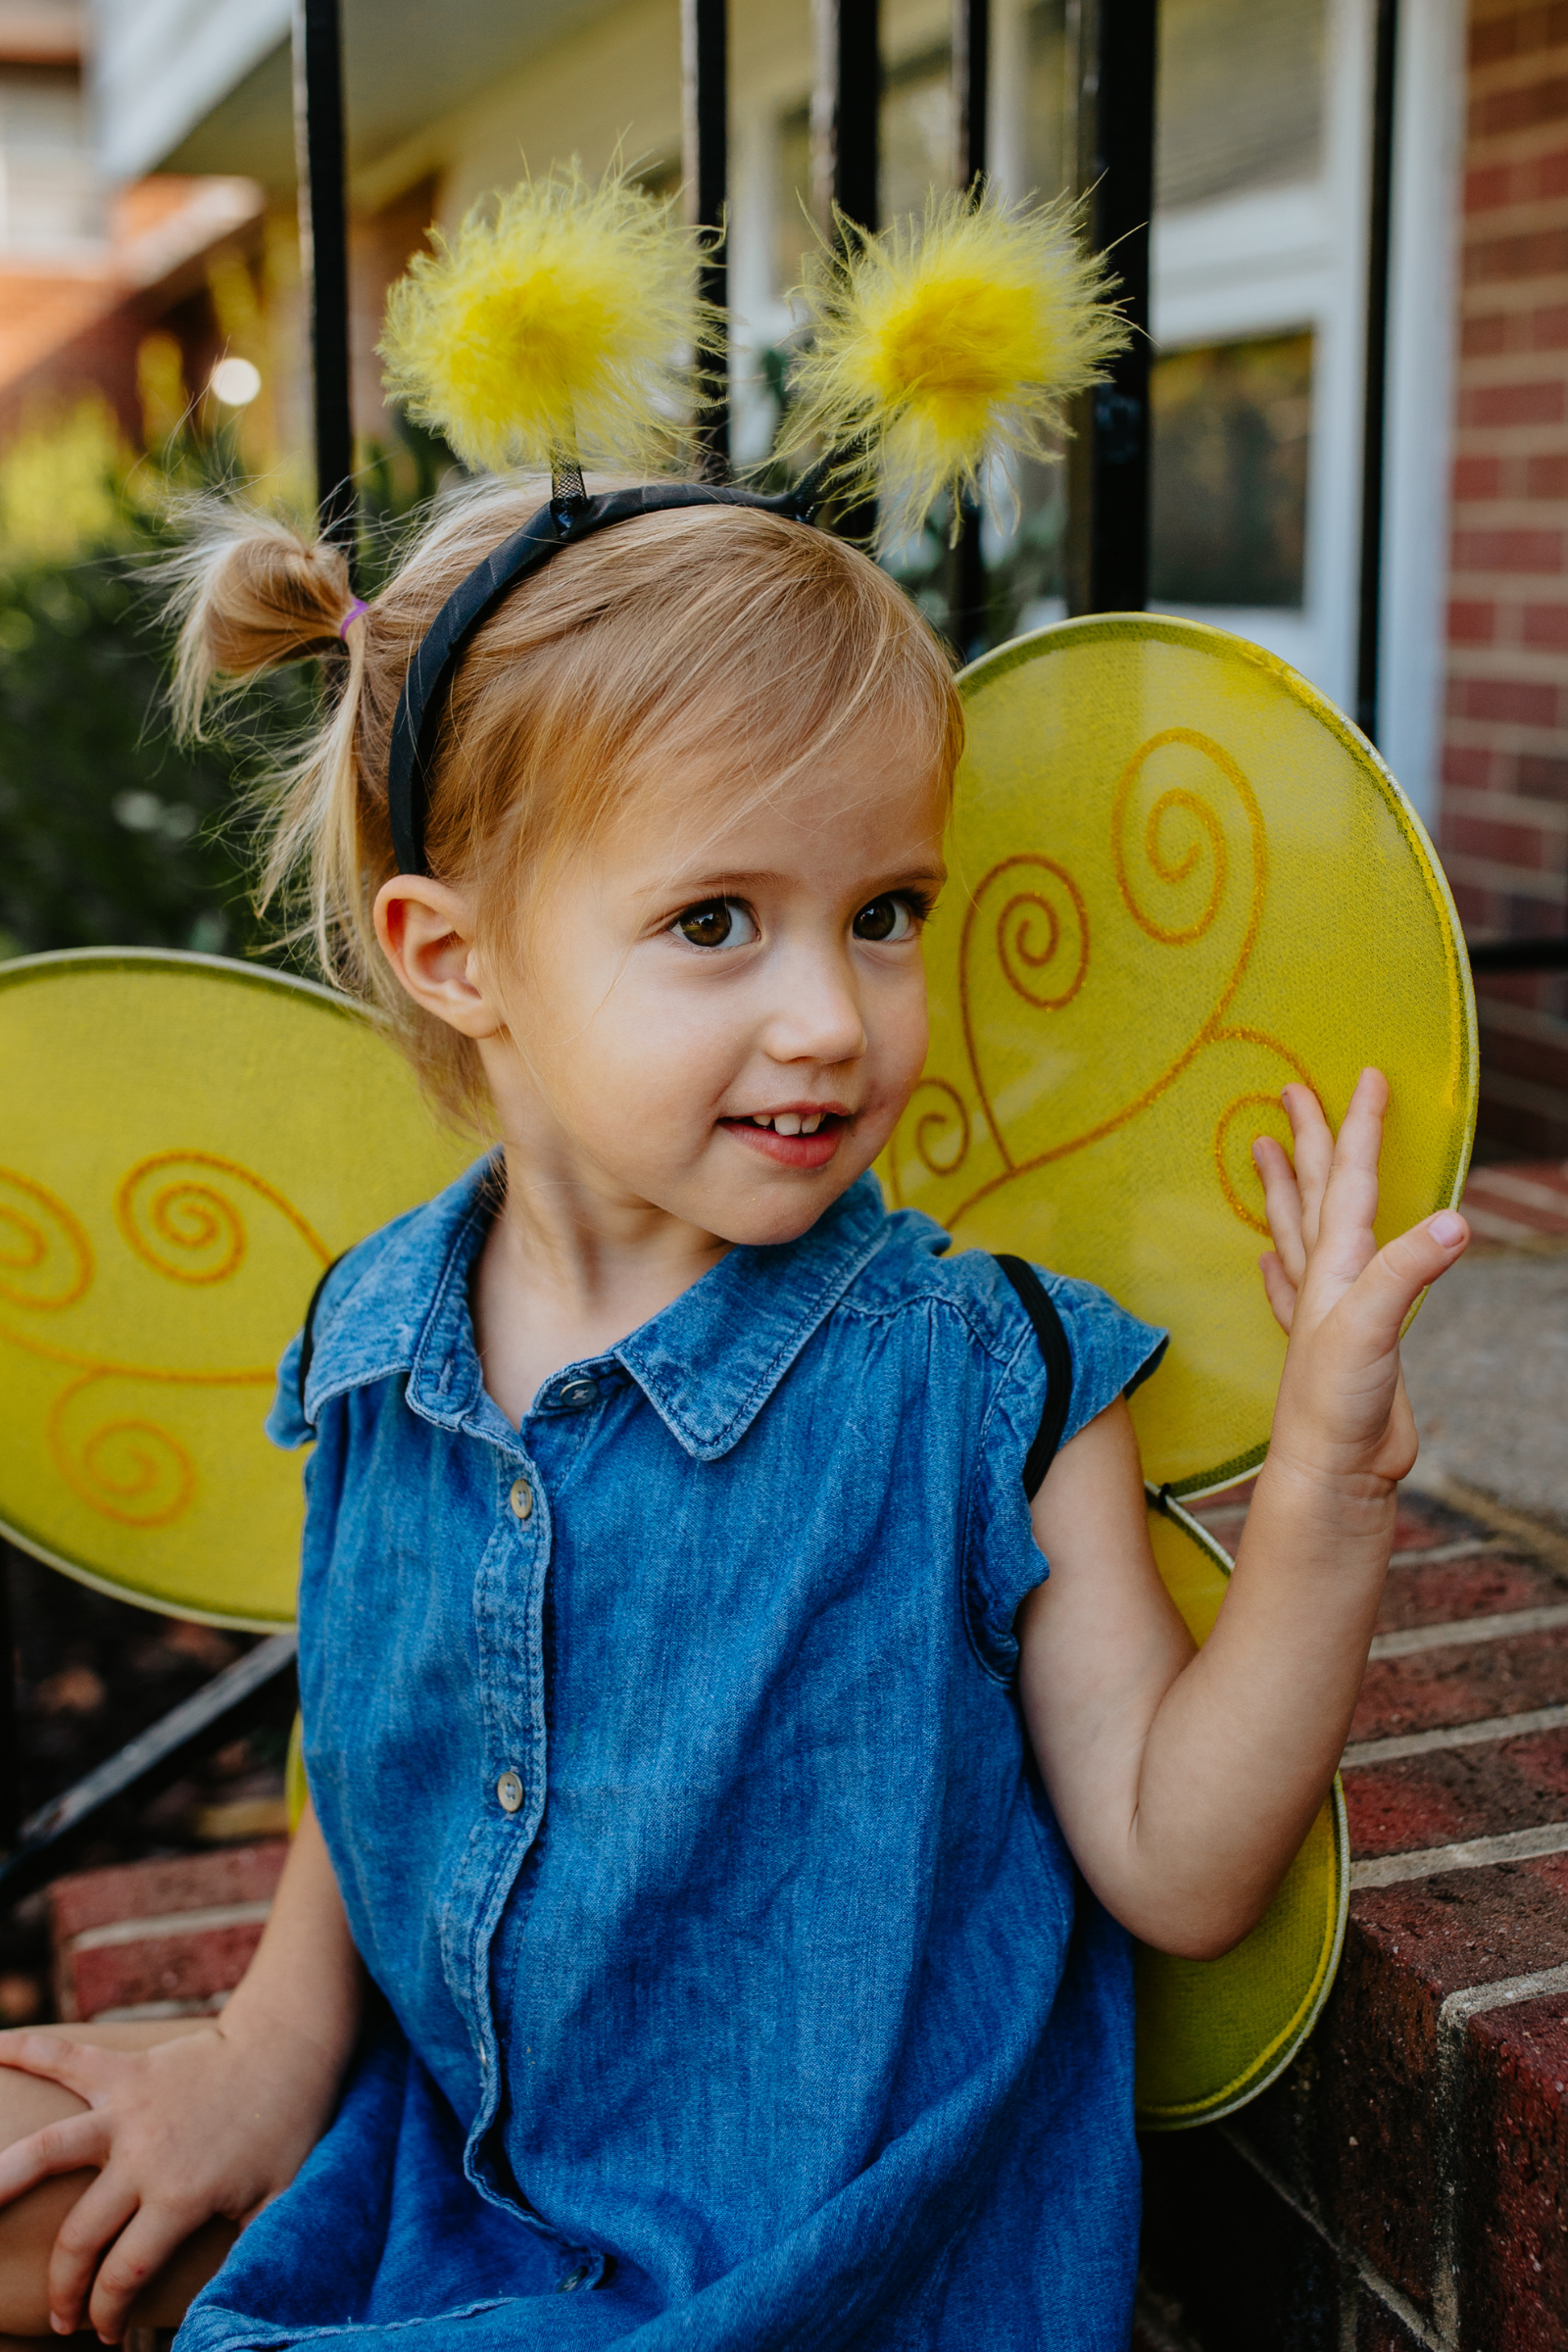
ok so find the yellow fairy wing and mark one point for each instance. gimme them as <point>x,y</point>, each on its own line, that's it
<point>1181,879</point>
<point>185,1144</point>
<point>1212,2034</point>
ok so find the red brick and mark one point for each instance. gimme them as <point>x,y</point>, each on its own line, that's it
<point>1472,623</point>
<point>1446,1592</point>
<point>1545,626</point>
<point>1484,337</point>
<point>1514,404</point>
<point>1476,478</point>
<point>1491,837</point>
<point>1548,326</point>
<point>1457,1792</point>
<point>95,1898</point>
<point>1525,702</point>
<point>1540,776</point>
<point>1543,101</point>
<point>1467,765</point>
<point>1507,550</point>
<point>1488,187</point>
<point>1548,177</point>
<point>1462,1684</point>
<point>191,1965</point>
<point>1545,475</point>
<point>1541,1059</point>
<point>1375,2111</point>
<point>1505,261</point>
<point>1517,31</point>
<point>1513,2227</point>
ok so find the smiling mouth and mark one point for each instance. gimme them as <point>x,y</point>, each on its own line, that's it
<point>791,1138</point>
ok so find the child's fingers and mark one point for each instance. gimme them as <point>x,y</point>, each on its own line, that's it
<point>93,2223</point>
<point>74,2144</point>
<point>1279,1290</point>
<point>1313,1154</point>
<point>149,2240</point>
<point>1282,1203</point>
<point>1394,1279</point>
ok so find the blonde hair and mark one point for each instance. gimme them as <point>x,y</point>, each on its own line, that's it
<point>648,641</point>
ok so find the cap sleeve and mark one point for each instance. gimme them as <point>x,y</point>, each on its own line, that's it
<point>1112,1353</point>
<point>286,1424</point>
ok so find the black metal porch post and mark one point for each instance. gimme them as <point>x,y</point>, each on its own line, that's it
<point>971,68</point>
<point>1374,419</point>
<point>324,258</point>
<point>846,140</point>
<point>704,61</point>
<point>1107,538</point>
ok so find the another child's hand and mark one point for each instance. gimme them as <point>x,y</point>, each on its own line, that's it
<point>1343,1412</point>
<point>206,2124</point>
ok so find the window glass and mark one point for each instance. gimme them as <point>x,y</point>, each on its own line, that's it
<point>1241,96</point>
<point>1230,442</point>
<point>916,156</point>
<point>917,133</point>
<point>1049,164</point>
<point>47,192</point>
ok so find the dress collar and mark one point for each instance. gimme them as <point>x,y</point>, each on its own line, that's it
<point>707,1362</point>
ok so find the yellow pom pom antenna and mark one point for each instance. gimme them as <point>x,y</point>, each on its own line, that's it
<point>557,327</point>
<point>945,342</point>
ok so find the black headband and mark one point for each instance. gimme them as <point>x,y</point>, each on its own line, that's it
<point>559,525</point>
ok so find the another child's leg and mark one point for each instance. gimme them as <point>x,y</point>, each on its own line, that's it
<point>27,2228</point>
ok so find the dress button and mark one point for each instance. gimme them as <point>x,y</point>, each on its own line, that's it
<point>521,1498</point>
<point>576,1396</point>
<point>509,1788</point>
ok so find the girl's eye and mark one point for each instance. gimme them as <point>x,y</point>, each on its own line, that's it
<point>717,923</point>
<point>885,919</point>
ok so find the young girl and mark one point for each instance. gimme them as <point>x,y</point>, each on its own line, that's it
<point>710,1926</point>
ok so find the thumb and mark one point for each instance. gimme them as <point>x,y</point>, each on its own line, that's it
<point>78,2065</point>
<point>1406,1266</point>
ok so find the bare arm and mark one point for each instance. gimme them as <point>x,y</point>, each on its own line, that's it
<point>1186,1783</point>
<point>215,2122</point>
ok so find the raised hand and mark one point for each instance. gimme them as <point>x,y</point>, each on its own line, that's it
<point>1343,1412</point>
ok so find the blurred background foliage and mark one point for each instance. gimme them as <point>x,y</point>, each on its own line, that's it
<point>112,833</point>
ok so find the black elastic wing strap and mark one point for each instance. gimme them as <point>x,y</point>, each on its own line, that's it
<point>307,1333</point>
<point>1058,1357</point>
<point>559,525</point>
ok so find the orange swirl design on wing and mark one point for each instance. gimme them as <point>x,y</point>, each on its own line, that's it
<point>46,1260</point>
<point>187,1228</point>
<point>184,1216</point>
<point>130,1469</point>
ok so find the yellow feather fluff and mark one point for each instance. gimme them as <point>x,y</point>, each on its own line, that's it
<point>945,342</point>
<point>557,328</point>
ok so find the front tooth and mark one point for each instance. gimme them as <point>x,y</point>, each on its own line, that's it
<point>758,1119</point>
<point>786,1122</point>
<point>810,1126</point>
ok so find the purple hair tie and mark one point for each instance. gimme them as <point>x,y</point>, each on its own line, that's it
<point>358,607</point>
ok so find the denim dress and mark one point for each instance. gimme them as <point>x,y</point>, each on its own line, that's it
<point>736,1989</point>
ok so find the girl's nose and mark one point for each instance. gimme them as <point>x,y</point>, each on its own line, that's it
<point>816,1016</point>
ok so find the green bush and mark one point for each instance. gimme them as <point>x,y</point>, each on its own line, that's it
<point>111,834</point>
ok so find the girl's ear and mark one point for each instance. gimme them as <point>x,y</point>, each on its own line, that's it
<point>426,933</point>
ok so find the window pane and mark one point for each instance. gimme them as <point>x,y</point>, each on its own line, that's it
<point>1048,162</point>
<point>917,142</point>
<point>1230,442</point>
<point>1241,96</point>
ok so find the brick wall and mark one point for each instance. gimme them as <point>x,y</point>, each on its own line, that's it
<point>1405,2183</point>
<point>1504,830</point>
